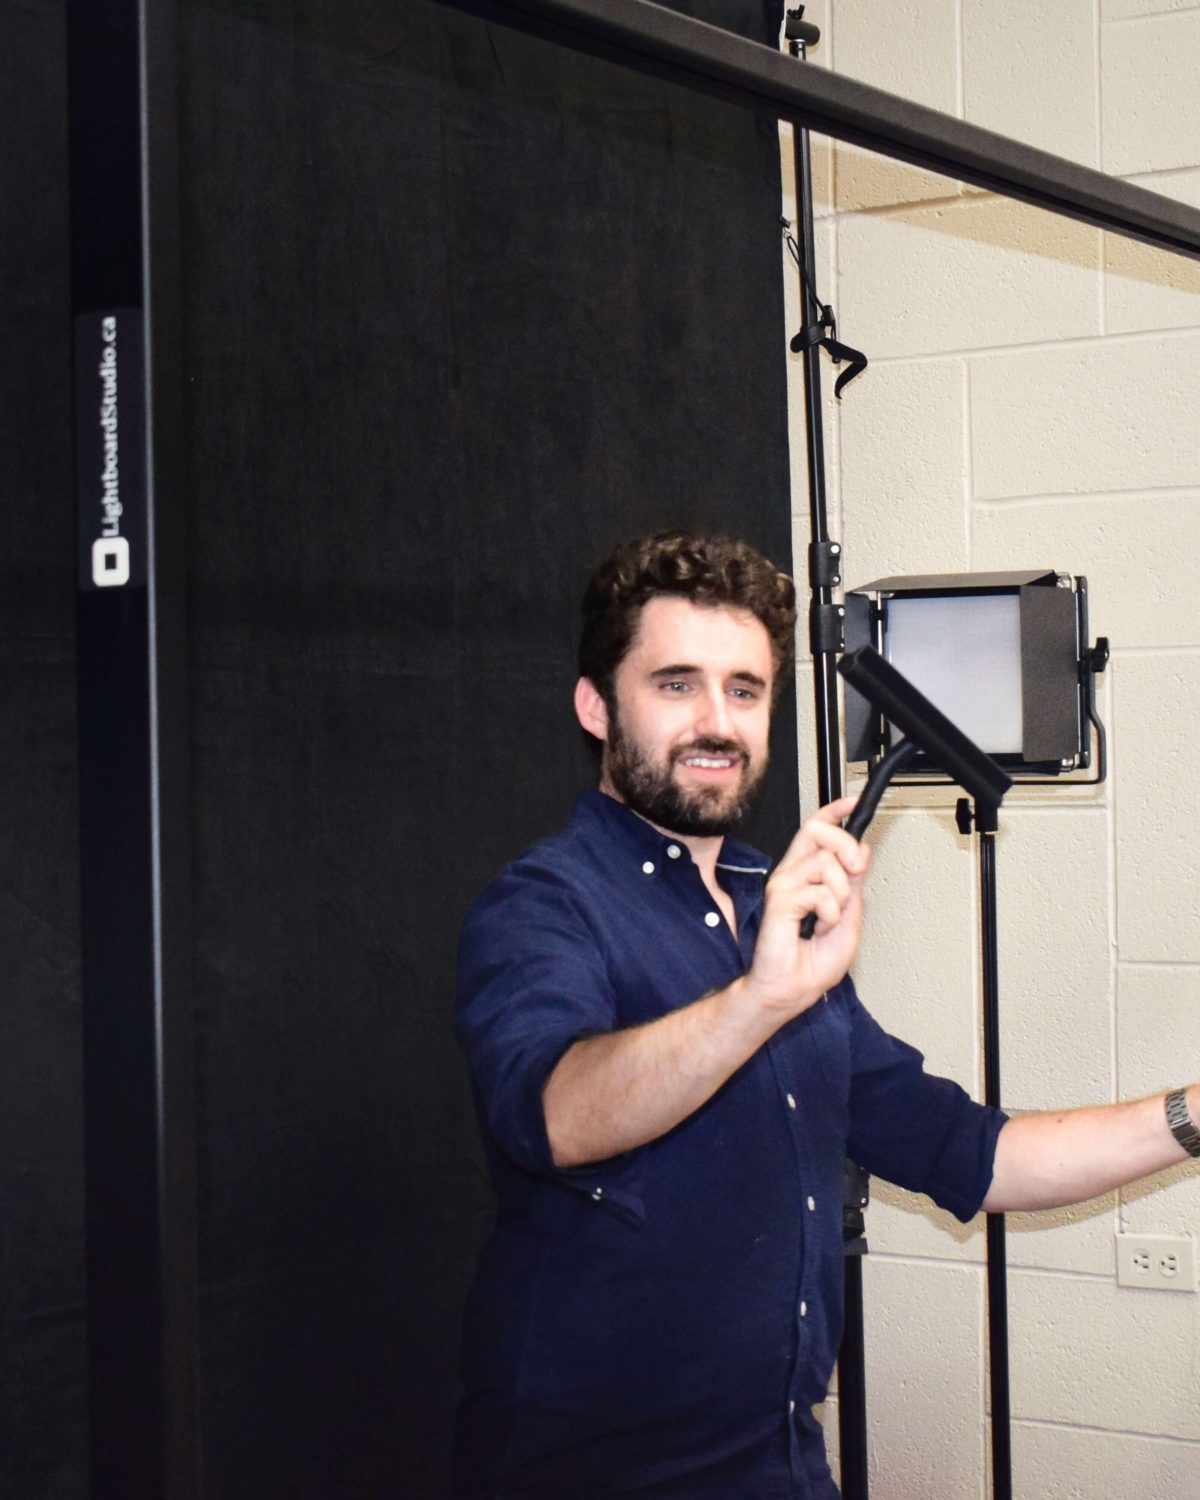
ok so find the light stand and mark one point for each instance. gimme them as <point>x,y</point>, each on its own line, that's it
<point>1038,702</point>
<point>826,639</point>
<point>925,728</point>
<point>986,826</point>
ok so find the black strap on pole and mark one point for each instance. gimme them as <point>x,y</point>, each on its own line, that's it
<point>827,639</point>
<point>822,333</point>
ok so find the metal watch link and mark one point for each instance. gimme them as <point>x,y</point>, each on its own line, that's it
<point>1182,1126</point>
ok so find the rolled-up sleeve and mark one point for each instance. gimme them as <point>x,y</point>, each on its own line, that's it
<point>913,1128</point>
<point>531,981</point>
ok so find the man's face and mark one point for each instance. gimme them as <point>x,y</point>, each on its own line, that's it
<point>687,731</point>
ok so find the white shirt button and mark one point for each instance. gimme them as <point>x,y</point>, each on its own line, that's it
<point>673,851</point>
<point>791,1102</point>
<point>812,1203</point>
<point>711,919</point>
<point>648,868</point>
<point>804,1309</point>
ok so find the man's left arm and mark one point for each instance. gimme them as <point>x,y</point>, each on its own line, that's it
<point>1050,1159</point>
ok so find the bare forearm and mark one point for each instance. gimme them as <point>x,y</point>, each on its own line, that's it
<point>1052,1159</point>
<point>612,1093</point>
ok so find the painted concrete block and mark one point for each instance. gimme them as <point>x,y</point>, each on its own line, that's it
<point>1029,71</point>
<point>916,967</point>
<point>923,1375</point>
<point>1149,102</point>
<point>806,737</point>
<point>1156,707</point>
<point>865,180</point>
<point>1137,554</point>
<point>1124,10</point>
<point>1057,1463</point>
<point>827,1414</point>
<point>1091,1354</point>
<point>907,1224</point>
<point>1079,1238</point>
<point>903,470</point>
<point>1054,958</point>
<point>918,62</point>
<point>971,274</point>
<point>821,151</point>
<point>1158,1023</point>
<point>1094,417</point>
<point>1145,287</point>
<point>909,49</point>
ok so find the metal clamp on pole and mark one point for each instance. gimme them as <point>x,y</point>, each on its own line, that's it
<point>826,628</point>
<point>824,564</point>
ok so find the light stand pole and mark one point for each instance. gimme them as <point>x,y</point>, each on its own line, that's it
<point>926,728</point>
<point>824,556</point>
<point>827,637</point>
<point>986,821</point>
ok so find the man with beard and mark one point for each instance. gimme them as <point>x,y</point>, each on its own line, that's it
<point>669,1080</point>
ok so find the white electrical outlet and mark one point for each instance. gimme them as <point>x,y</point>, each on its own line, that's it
<point>1161,1262</point>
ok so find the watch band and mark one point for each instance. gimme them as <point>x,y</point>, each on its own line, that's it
<point>1180,1121</point>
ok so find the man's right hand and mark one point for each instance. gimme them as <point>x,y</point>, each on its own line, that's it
<point>614,1092</point>
<point>822,872</point>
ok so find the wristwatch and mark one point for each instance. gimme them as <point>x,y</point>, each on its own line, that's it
<point>1180,1121</point>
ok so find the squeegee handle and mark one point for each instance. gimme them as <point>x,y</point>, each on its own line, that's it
<point>882,772</point>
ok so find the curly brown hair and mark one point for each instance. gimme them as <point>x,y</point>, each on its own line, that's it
<point>708,570</point>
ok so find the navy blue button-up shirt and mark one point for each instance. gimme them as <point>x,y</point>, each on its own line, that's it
<point>665,1321</point>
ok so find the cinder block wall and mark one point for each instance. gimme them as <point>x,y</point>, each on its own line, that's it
<point>1033,399</point>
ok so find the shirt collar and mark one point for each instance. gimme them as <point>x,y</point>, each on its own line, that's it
<point>642,841</point>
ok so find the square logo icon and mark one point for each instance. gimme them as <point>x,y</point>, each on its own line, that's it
<point>110,562</point>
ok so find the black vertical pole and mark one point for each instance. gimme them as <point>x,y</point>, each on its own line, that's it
<point>852,1387</point>
<point>829,749</point>
<point>139,1156</point>
<point>997,1273</point>
<point>852,1376</point>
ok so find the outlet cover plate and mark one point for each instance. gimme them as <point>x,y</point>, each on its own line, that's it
<point>1157,1262</point>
